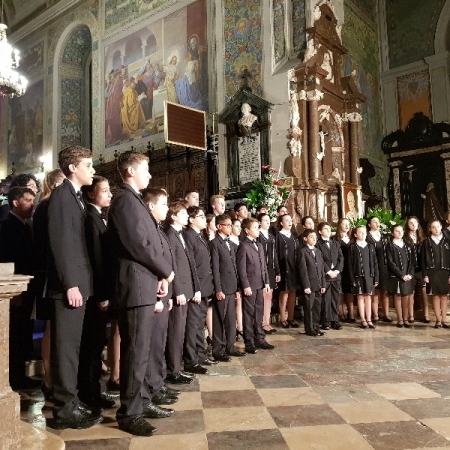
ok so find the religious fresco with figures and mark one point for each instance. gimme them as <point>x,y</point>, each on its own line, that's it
<point>242,31</point>
<point>166,60</point>
<point>25,131</point>
<point>411,30</point>
<point>361,39</point>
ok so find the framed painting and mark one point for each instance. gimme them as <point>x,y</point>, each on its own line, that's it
<point>351,201</point>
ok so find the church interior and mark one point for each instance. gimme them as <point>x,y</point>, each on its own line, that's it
<point>346,99</point>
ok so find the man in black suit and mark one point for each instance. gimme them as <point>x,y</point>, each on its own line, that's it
<point>186,288</point>
<point>312,275</point>
<point>226,288</point>
<point>69,285</point>
<point>254,280</point>
<point>194,354</point>
<point>16,245</point>
<point>333,260</point>
<point>140,273</point>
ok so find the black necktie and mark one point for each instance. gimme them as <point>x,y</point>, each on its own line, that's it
<point>80,198</point>
<point>327,243</point>
<point>227,241</point>
<point>180,233</point>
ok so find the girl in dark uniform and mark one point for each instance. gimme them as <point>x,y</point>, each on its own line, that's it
<point>287,247</point>
<point>363,274</point>
<point>343,237</point>
<point>436,270</point>
<point>268,242</point>
<point>401,264</point>
<point>379,242</point>
<point>415,236</point>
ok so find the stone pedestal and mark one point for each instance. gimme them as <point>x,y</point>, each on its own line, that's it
<point>15,434</point>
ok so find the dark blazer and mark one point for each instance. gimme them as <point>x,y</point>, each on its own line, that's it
<point>396,266</point>
<point>99,253</point>
<point>312,269</point>
<point>199,249</point>
<point>332,256</point>
<point>270,251</point>
<point>224,265</point>
<point>251,265</point>
<point>428,259</point>
<point>137,253</point>
<point>356,268</point>
<point>186,280</point>
<point>167,253</point>
<point>69,264</point>
<point>16,244</point>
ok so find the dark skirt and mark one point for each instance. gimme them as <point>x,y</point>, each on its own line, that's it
<point>400,287</point>
<point>272,276</point>
<point>364,285</point>
<point>438,284</point>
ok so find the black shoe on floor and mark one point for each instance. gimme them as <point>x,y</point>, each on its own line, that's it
<point>178,379</point>
<point>79,419</point>
<point>187,375</point>
<point>153,411</point>
<point>161,398</point>
<point>196,368</point>
<point>110,396</point>
<point>112,385</point>
<point>209,362</point>
<point>170,391</point>
<point>325,327</point>
<point>336,326</point>
<point>265,346</point>
<point>222,358</point>
<point>293,324</point>
<point>236,353</point>
<point>138,426</point>
<point>311,333</point>
<point>251,349</point>
<point>320,333</point>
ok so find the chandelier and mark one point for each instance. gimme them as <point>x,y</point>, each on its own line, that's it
<point>11,82</point>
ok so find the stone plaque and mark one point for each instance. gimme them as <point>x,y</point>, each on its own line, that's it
<point>249,158</point>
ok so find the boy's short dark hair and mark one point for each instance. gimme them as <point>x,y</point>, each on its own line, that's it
<point>260,216</point>
<point>306,233</point>
<point>174,209</point>
<point>194,211</point>
<point>247,223</point>
<point>18,192</point>
<point>321,225</point>
<point>151,195</point>
<point>129,158</point>
<point>304,219</point>
<point>92,188</point>
<point>73,154</point>
<point>221,218</point>
<point>239,205</point>
<point>23,179</point>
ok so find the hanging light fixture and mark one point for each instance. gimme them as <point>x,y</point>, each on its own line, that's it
<point>11,82</point>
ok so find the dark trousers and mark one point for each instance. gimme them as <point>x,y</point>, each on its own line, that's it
<point>224,325</point>
<point>252,316</point>
<point>175,338</point>
<point>135,325</point>
<point>312,306</point>
<point>20,339</point>
<point>156,370</point>
<point>194,347</point>
<point>331,298</point>
<point>91,348</point>
<point>67,327</point>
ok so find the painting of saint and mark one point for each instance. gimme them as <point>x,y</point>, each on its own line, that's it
<point>242,28</point>
<point>350,201</point>
<point>132,113</point>
<point>171,77</point>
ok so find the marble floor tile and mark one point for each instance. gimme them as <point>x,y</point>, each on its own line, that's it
<point>104,444</point>
<point>304,415</point>
<point>237,419</point>
<point>402,391</point>
<point>191,441</point>
<point>101,431</point>
<point>346,394</point>
<point>441,387</point>
<point>289,397</point>
<point>231,399</point>
<point>301,359</point>
<point>326,437</point>
<point>269,369</point>
<point>277,381</point>
<point>182,422</point>
<point>226,370</point>
<point>369,412</point>
<point>187,401</point>
<point>400,435</point>
<point>429,408</point>
<point>440,425</point>
<point>313,368</point>
<point>225,383</point>
<point>231,440</point>
<point>329,379</point>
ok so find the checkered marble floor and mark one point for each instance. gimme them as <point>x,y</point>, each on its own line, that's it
<point>384,389</point>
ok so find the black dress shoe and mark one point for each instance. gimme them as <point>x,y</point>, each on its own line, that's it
<point>170,391</point>
<point>310,333</point>
<point>320,333</point>
<point>138,426</point>
<point>112,385</point>
<point>336,326</point>
<point>251,349</point>
<point>186,374</point>
<point>161,398</point>
<point>222,358</point>
<point>110,395</point>
<point>236,353</point>
<point>209,362</point>
<point>196,368</point>
<point>324,327</point>
<point>293,324</point>
<point>153,411</point>
<point>178,379</point>
<point>79,419</point>
<point>265,346</point>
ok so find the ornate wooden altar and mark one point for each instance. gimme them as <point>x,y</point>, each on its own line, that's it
<point>324,134</point>
<point>419,160</point>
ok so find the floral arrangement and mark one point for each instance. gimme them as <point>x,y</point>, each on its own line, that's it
<point>267,191</point>
<point>386,218</point>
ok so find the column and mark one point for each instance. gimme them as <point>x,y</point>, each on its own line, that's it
<point>304,118</point>
<point>315,168</point>
<point>395,165</point>
<point>354,119</point>
<point>446,158</point>
<point>438,66</point>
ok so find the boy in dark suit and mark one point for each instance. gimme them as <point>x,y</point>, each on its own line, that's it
<point>333,260</point>
<point>69,285</point>
<point>16,245</point>
<point>186,289</point>
<point>254,279</point>
<point>140,274</point>
<point>223,260</point>
<point>312,275</point>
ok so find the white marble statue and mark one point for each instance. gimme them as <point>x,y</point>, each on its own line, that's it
<point>247,120</point>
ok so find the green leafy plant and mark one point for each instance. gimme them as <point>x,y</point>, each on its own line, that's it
<point>387,218</point>
<point>267,191</point>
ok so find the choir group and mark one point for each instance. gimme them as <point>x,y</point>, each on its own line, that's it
<point>160,272</point>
